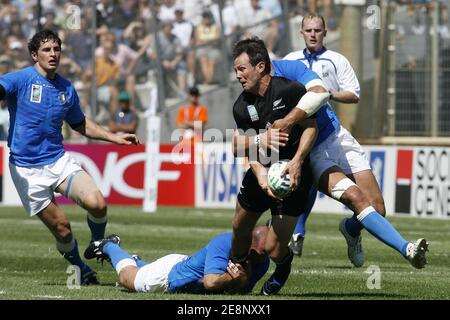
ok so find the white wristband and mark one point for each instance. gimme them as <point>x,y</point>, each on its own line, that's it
<point>311,102</point>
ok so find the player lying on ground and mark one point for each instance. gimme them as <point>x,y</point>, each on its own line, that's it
<point>207,271</point>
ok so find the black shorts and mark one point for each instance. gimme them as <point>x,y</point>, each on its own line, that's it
<point>252,198</point>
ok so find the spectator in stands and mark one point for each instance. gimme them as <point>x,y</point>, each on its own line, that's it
<point>15,52</point>
<point>125,119</point>
<point>145,12</point>
<point>167,11</point>
<point>5,64</point>
<point>69,69</point>
<point>192,117</point>
<point>171,55</point>
<point>123,14</point>
<point>126,58</point>
<point>193,10</point>
<point>49,18</point>
<point>8,15</point>
<point>105,9</point>
<point>256,19</point>
<point>184,30</point>
<point>207,34</point>
<point>230,20</point>
<point>315,6</point>
<point>80,41</point>
<point>140,41</point>
<point>107,73</point>
<point>15,29</point>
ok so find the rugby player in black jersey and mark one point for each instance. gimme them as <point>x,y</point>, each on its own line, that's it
<point>265,99</point>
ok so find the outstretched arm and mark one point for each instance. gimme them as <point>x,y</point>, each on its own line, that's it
<point>316,96</point>
<point>92,130</point>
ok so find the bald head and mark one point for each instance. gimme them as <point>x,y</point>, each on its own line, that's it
<point>257,250</point>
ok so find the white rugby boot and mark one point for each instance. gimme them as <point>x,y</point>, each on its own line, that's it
<point>354,248</point>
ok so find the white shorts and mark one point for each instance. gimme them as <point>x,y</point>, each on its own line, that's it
<point>36,185</point>
<point>339,149</point>
<point>153,277</point>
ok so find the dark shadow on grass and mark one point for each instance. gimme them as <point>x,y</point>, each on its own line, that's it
<point>105,284</point>
<point>343,267</point>
<point>342,295</point>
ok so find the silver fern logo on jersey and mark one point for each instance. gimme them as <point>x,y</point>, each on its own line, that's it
<point>276,104</point>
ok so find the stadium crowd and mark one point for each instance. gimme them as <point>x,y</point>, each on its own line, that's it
<point>187,32</point>
<point>188,35</point>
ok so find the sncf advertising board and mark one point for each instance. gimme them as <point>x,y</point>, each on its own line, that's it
<point>119,173</point>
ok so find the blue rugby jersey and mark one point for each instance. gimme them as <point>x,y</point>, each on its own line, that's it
<point>187,275</point>
<point>38,106</point>
<point>327,121</point>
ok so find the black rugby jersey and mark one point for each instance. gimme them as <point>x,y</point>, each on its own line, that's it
<point>252,111</point>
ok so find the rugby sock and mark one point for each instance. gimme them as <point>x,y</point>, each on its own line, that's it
<point>382,229</point>
<point>353,226</point>
<point>97,226</point>
<point>119,257</point>
<point>70,252</point>
<point>300,228</point>
<point>140,262</point>
<point>283,268</point>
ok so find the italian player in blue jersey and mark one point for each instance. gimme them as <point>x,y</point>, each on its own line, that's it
<point>337,159</point>
<point>206,271</point>
<point>39,100</point>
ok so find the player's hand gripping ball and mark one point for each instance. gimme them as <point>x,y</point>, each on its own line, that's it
<point>280,186</point>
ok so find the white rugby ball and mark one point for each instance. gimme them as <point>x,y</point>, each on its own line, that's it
<point>280,186</point>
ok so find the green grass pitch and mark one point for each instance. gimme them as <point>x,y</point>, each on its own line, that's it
<point>31,268</point>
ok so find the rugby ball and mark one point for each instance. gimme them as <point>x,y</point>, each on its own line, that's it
<point>280,186</point>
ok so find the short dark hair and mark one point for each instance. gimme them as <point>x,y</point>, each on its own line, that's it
<point>256,51</point>
<point>41,37</point>
<point>194,91</point>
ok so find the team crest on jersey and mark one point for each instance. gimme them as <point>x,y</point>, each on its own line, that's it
<point>36,93</point>
<point>324,70</point>
<point>253,113</point>
<point>277,104</point>
<point>62,98</point>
